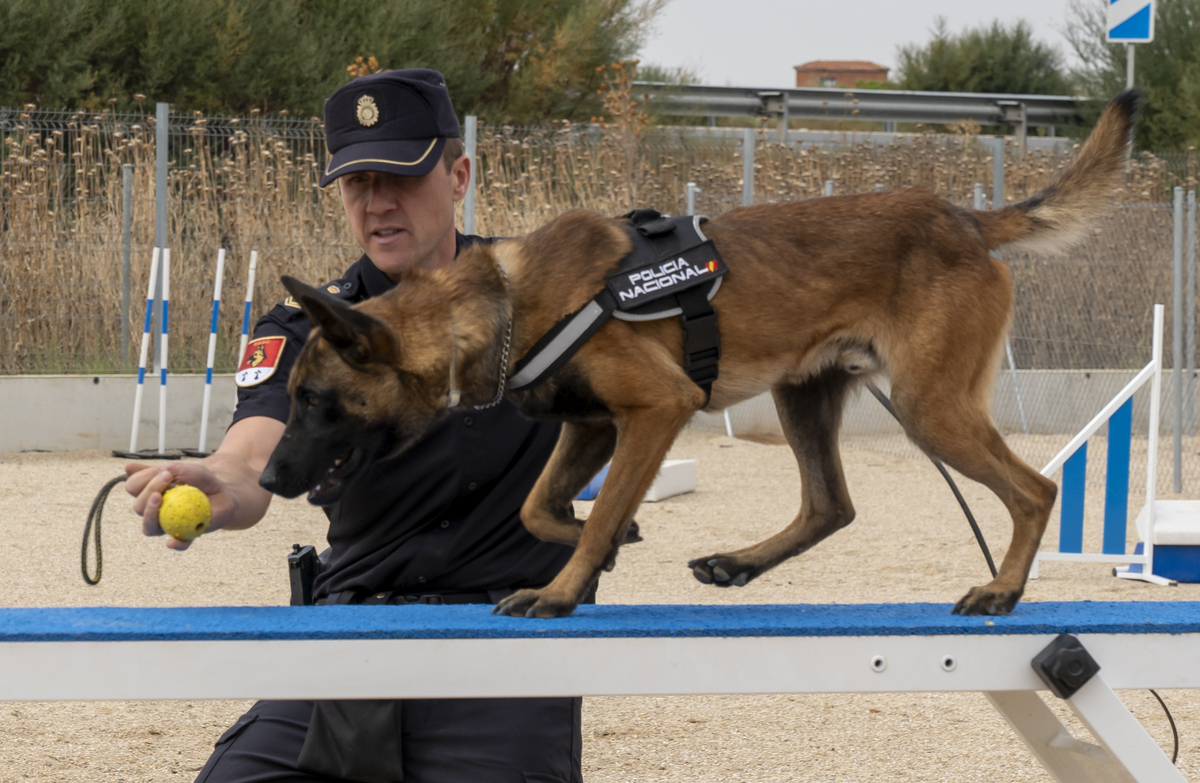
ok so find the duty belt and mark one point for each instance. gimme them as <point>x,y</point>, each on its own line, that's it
<point>673,270</point>
<point>391,598</point>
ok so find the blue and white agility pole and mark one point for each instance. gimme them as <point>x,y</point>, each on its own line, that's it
<point>212,350</point>
<point>141,381</point>
<point>249,301</point>
<point>162,382</point>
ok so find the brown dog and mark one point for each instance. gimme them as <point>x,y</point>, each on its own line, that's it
<point>821,294</point>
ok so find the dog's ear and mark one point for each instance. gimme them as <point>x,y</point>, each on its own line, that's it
<point>357,337</point>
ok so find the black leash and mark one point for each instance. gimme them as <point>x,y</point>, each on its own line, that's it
<point>886,403</point>
<point>94,516</point>
<point>1174,731</point>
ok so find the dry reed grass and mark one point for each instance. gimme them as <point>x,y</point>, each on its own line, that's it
<point>528,175</point>
<point>250,183</point>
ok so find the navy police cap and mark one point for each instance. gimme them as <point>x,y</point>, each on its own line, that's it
<point>392,121</point>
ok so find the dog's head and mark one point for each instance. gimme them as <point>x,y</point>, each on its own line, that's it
<point>373,377</point>
<point>352,401</point>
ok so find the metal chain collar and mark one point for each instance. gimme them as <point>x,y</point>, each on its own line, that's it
<point>503,355</point>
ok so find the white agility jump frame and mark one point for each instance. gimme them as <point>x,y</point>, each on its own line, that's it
<point>1072,461</point>
<point>464,651</point>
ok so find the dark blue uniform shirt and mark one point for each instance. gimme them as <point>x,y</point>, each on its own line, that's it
<point>443,516</point>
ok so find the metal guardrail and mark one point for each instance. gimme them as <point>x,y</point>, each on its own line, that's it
<point>888,106</point>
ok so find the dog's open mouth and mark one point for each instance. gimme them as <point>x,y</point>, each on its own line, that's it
<point>332,485</point>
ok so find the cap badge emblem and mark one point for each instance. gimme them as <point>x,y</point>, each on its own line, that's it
<point>366,111</point>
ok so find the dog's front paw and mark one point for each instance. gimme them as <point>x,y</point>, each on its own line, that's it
<point>722,571</point>
<point>534,603</point>
<point>987,600</point>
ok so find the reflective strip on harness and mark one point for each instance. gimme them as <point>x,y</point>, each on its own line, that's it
<point>559,344</point>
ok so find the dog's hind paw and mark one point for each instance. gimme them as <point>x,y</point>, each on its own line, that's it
<point>534,603</point>
<point>987,600</point>
<point>633,534</point>
<point>722,571</point>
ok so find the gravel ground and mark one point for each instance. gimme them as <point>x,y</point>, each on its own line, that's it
<point>909,543</point>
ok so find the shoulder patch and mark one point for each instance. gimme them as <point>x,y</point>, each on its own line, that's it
<point>291,302</point>
<point>260,360</point>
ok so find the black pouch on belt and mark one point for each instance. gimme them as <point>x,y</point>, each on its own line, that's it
<point>354,739</point>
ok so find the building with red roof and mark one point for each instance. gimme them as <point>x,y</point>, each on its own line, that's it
<point>838,73</point>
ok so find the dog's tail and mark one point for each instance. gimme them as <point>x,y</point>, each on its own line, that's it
<point>1056,218</point>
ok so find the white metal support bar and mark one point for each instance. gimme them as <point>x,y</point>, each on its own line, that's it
<point>1067,759</point>
<point>1125,740</point>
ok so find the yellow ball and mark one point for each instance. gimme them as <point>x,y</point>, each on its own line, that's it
<point>185,512</point>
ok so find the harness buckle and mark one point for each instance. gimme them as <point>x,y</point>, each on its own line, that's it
<point>702,335</point>
<point>704,377</point>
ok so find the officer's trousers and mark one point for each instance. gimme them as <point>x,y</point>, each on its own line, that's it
<point>442,741</point>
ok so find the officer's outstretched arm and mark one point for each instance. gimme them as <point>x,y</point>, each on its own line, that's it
<point>229,477</point>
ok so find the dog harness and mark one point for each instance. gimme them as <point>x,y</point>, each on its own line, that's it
<point>673,270</point>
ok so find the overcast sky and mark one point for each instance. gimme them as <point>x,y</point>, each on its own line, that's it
<point>756,43</point>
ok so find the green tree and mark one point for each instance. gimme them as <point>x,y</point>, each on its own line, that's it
<point>506,60</point>
<point>992,58</point>
<point>1167,70</point>
<point>47,50</point>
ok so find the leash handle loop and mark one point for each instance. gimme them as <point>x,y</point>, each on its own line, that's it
<point>94,516</point>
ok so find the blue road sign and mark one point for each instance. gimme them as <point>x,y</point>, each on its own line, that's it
<point>1130,21</point>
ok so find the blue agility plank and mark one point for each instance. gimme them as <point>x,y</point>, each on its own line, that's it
<point>109,624</point>
<point>1074,479</point>
<point>440,652</point>
<point>1116,488</point>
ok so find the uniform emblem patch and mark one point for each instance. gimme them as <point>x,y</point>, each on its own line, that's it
<point>366,111</point>
<point>260,360</point>
<point>333,289</point>
<point>291,302</point>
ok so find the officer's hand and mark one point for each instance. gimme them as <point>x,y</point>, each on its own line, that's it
<point>147,483</point>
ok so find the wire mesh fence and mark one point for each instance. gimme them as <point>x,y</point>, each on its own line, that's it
<point>251,183</point>
<point>238,183</point>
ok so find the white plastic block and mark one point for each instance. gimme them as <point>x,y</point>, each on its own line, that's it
<point>1176,523</point>
<point>675,477</point>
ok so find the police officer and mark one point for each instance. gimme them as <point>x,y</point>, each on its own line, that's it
<point>439,524</point>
